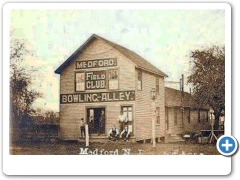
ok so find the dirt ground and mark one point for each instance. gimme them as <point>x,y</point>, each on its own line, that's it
<point>73,148</point>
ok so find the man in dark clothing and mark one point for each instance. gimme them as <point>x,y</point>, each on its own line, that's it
<point>102,123</point>
<point>113,134</point>
<point>125,134</point>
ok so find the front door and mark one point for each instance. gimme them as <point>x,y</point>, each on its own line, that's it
<point>96,120</point>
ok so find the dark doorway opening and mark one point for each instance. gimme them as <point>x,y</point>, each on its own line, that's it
<point>96,120</point>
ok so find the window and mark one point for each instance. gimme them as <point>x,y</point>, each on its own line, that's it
<point>188,111</point>
<point>207,115</point>
<point>158,115</point>
<point>166,118</point>
<point>199,116</point>
<point>80,81</point>
<point>139,82</point>
<point>203,115</point>
<point>128,112</point>
<point>113,79</point>
<point>175,116</point>
<point>157,84</point>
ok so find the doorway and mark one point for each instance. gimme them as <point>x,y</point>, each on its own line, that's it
<point>96,119</point>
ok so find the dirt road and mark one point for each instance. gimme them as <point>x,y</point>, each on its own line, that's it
<point>74,148</point>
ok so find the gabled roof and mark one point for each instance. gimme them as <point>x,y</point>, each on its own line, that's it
<point>135,58</point>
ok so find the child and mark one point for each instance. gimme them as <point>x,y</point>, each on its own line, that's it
<point>82,128</point>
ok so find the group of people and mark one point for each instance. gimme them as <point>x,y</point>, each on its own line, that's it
<point>221,119</point>
<point>113,134</point>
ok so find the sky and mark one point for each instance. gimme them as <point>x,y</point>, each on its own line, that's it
<point>163,37</point>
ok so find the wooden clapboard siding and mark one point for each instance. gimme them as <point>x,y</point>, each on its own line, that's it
<point>188,125</point>
<point>97,50</point>
<point>175,128</point>
<point>143,107</point>
<point>170,119</point>
<point>191,127</point>
<point>160,102</point>
<point>70,114</point>
<point>173,99</point>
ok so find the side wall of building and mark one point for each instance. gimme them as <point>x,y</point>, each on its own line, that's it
<point>196,123</point>
<point>191,125</point>
<point>174,120</point>
<point>144,107</point>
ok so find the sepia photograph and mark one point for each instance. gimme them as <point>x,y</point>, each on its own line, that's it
<point>102,81</point>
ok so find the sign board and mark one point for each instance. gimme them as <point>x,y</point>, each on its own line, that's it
<point>97,97</point>
<point>85,64</point>
<point>95,80</point>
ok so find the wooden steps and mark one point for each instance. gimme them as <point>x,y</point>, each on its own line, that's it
<point>171,138</point>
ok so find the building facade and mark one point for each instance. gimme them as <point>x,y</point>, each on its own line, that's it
<point>101,79</point>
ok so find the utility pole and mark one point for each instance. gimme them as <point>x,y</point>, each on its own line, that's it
<point>182,83</point>
<point>182,100</point>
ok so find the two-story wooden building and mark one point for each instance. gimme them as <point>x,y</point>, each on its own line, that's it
<point>102,77</point>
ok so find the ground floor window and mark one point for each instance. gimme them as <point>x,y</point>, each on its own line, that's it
<point>128,113</point>
<point>207,115</point>
<point>175,115</point>
<point>166,118</point>
<point>199,117</point>
<point>157,115</point>
<point>187,114</point>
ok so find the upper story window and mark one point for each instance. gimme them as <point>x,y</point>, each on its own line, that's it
<point>139,82</point>
<point>80,81</point>
<point>157,84</point>
<point>113,78</point>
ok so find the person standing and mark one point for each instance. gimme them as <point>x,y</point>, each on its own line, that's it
<point>101,129</point>
<point>221,120</point>
<point>90,125</point>
<point>212,118</point>
<point>82,128</point>
<point>122,120</point>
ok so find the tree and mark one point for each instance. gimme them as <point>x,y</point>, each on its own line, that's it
<point>51,117</point>
<point>208,77</point>
<point>21,95</point>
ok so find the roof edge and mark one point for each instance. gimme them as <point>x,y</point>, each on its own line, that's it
<point>160,74</point>
<point>89,40</point>
<point>80,49</point>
